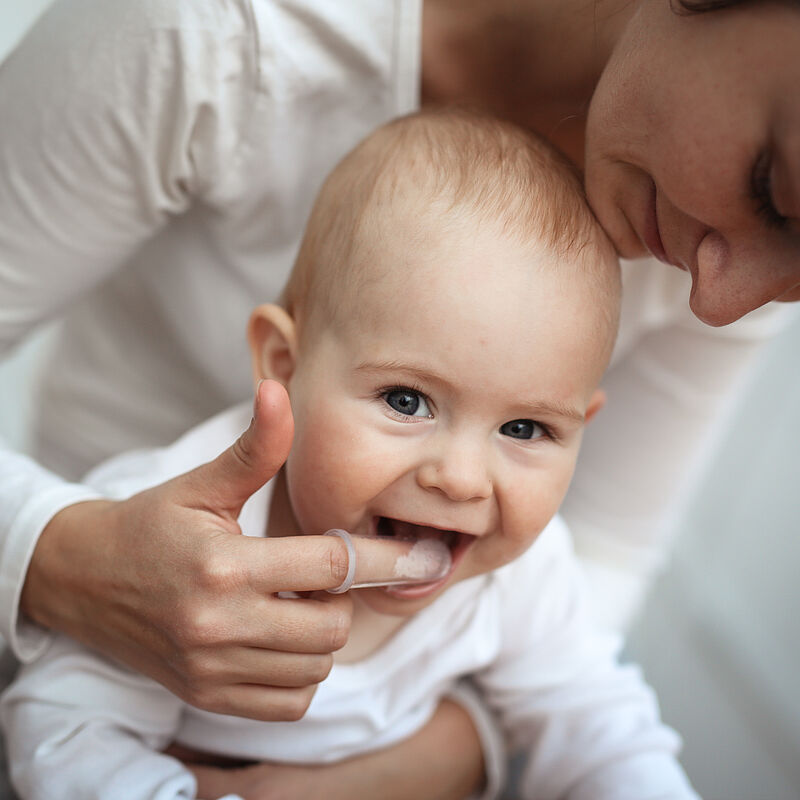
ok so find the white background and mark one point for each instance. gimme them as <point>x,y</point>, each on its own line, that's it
<point>720,636</point>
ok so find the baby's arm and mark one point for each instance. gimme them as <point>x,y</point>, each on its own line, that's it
<point>79,726</point>
<point>590,727</point>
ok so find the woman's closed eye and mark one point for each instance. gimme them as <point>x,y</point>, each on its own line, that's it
<point>761,190</point>
<point>523,429</point>
<point>407,402</point>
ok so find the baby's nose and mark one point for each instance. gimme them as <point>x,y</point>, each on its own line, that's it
<point>459,472</point>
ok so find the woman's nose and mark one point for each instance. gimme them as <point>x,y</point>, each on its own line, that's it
<point>459,472</point>
<point>735,277</point>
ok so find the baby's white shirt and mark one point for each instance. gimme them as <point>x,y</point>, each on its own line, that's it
<point>522,634</point>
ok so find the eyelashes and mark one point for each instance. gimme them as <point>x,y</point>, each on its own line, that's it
<point>407,402</point>
<point>761,191</point>
<point>410,404</point>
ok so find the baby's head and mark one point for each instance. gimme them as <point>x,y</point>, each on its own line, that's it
<point>451,311</point>
<point>427,178</point>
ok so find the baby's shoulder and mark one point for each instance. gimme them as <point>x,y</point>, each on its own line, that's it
<point>551,550</point>
<point>135,470</point>
<point>546,577</point>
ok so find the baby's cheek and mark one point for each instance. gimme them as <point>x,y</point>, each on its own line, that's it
<point>525,522</point>
<point>331,474</point>
<point>312,479</point>
<point>494,552</point>
<point>321,451</point>
<point>516,545</point>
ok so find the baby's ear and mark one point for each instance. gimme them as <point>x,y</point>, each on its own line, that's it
<point>595,404</point>
<point>272,335</point>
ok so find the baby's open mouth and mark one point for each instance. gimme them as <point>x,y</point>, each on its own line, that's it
<point>427,544</point>
<point>411,532</point>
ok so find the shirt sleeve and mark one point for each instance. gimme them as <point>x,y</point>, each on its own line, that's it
<point>29,498</point>
<point>495,757</point>
<point>668,397</point>
<point>588,726</point>
<point>123,114</point>
<point>78,725</point>
<point>119,115</point>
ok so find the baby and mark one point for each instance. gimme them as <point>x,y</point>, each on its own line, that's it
<point>442,336</point>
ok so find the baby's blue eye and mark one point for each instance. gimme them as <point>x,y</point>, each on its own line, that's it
<point>407,402</point>
<point>522,429</point>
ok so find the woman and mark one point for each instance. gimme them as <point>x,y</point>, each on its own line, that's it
<point>157,175</point>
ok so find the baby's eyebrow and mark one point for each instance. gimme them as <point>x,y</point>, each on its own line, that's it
<point>418,371</point>
<point>550,408</point>
<point>555,409</point>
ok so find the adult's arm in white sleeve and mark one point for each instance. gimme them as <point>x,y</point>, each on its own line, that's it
<point>116,115</point>
<point>120,115</point>
<point>29,497</point>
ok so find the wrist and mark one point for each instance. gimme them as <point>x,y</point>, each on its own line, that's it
<point>64,562</point>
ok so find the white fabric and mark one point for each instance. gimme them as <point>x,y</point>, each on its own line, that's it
<point>590,727</point>
<point>670,386</point>
<point>157,171</point>
<point>158,163</point>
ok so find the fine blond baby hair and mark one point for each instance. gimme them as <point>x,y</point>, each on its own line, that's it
<point>457,167</point>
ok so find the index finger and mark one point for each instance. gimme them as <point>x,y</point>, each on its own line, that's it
<point>415,561</point>
<point>309,563</point>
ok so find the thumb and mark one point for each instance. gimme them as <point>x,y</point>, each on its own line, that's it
<point>228,481</point>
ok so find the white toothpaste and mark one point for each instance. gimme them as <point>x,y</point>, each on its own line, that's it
<point>428,559</point>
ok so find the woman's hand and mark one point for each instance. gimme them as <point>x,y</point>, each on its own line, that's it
<point>443,761</point>
<point>165,583</point>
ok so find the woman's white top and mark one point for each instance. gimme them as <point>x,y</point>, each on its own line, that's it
<point>158,160</point>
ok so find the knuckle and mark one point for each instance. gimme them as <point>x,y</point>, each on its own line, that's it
<point>200,696</point>
<point>242,451</point>
<point>339,629</point>
<point>321,669</point>
<point>196,679</point>
<point>217,573</point>
<point>200,671</point>
<point>172,630</point>
<point>296,704</point>
<point>200,629</point>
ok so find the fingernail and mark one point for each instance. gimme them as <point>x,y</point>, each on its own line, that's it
<point>351,560</point>
<point>256,400</point>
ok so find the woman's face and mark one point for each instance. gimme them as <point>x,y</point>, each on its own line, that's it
<point>693,150</point>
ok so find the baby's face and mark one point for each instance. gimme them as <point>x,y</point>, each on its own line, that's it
<point>449,404</point>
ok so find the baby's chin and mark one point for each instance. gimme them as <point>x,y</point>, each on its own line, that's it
<point>400,600</point>
<point>405,600</point>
